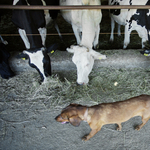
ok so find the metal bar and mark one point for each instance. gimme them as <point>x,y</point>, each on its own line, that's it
<point>50,34</point>
<point>72,7</point>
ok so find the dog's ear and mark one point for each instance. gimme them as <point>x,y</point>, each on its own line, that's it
<point>71,105</point>
<point>75,120</point>
<point>74,105</point>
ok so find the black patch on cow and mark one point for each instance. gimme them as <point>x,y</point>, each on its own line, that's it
<point>130,2</point>
<point>5,70</point>
<point>141,18</point>
<point>30,21</point>
<point>21,17</point>
<point>47,64</point>
<point>115,11</point>
<point>53,13</point>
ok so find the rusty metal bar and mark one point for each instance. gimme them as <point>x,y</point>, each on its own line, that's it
<point>52,34</point>
<point>72,7</point>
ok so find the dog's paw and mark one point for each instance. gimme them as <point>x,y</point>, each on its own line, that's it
<point>84,138</point>
<point>137,128</point>
<point>118,128</point>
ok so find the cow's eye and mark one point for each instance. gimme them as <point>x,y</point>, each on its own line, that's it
<point>86,65</point>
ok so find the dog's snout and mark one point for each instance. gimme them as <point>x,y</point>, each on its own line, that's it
<point>56,117</point>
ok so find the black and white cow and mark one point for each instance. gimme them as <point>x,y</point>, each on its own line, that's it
<point>32,29</point>
<point>86,27</point>
<point>132,19</point>
<point>5,70</point>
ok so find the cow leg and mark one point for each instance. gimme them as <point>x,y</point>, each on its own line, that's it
<point>112,29</point>
<point>77,33</point>
<point>142,35</point>
<point>143,41</point>
<point>119,33</point>
<point>96,40</point>
<point>127,36</point>
<point>3,41</point>
<point>24,38</point>
<point>43,33</point>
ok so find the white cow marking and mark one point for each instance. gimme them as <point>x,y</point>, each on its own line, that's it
<point>36,58</point>
<point>24,38</point>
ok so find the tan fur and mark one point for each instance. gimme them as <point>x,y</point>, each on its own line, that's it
<point>107,113</point>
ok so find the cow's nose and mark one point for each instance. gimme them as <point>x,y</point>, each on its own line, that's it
<point>80,83</point>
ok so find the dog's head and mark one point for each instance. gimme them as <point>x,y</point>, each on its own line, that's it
<point>71,114</point>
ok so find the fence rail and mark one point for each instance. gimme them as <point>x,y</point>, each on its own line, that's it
<point>73,7</point>
<point>55,34</point>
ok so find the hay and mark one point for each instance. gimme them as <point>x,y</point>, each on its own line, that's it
<point>24,90</point>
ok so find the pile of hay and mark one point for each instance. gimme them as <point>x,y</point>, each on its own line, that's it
<point>106,85</point>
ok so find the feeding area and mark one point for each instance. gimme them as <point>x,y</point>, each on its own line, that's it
<point>28,107</point>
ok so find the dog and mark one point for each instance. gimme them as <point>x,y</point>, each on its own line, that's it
<point>106,113</point>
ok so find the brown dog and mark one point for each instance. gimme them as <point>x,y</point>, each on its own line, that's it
<point>107,113</point>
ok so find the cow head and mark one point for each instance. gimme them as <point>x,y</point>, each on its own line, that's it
<point>39,59</point>
<point>84,58</point>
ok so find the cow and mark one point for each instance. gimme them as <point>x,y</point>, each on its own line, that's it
<point>132,19</point>
<point>86,27</point>
<point>85,23</point>
<point>32,29</point>
<point>5,70</point>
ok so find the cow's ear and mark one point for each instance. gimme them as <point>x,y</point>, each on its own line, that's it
<point>70,50</point>
<point>26,52</point>
<point>22,55</point>
<point>75,120</point>
<point>52,48</point>
<point>97,55</point>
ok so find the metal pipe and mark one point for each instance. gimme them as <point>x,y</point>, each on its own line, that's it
<point>72,7</point>
<point>51,34</point>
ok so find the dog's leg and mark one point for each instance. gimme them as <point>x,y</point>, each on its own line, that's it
<point>119,126</point>
<point>91,134</point>
<point>144,121</point>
